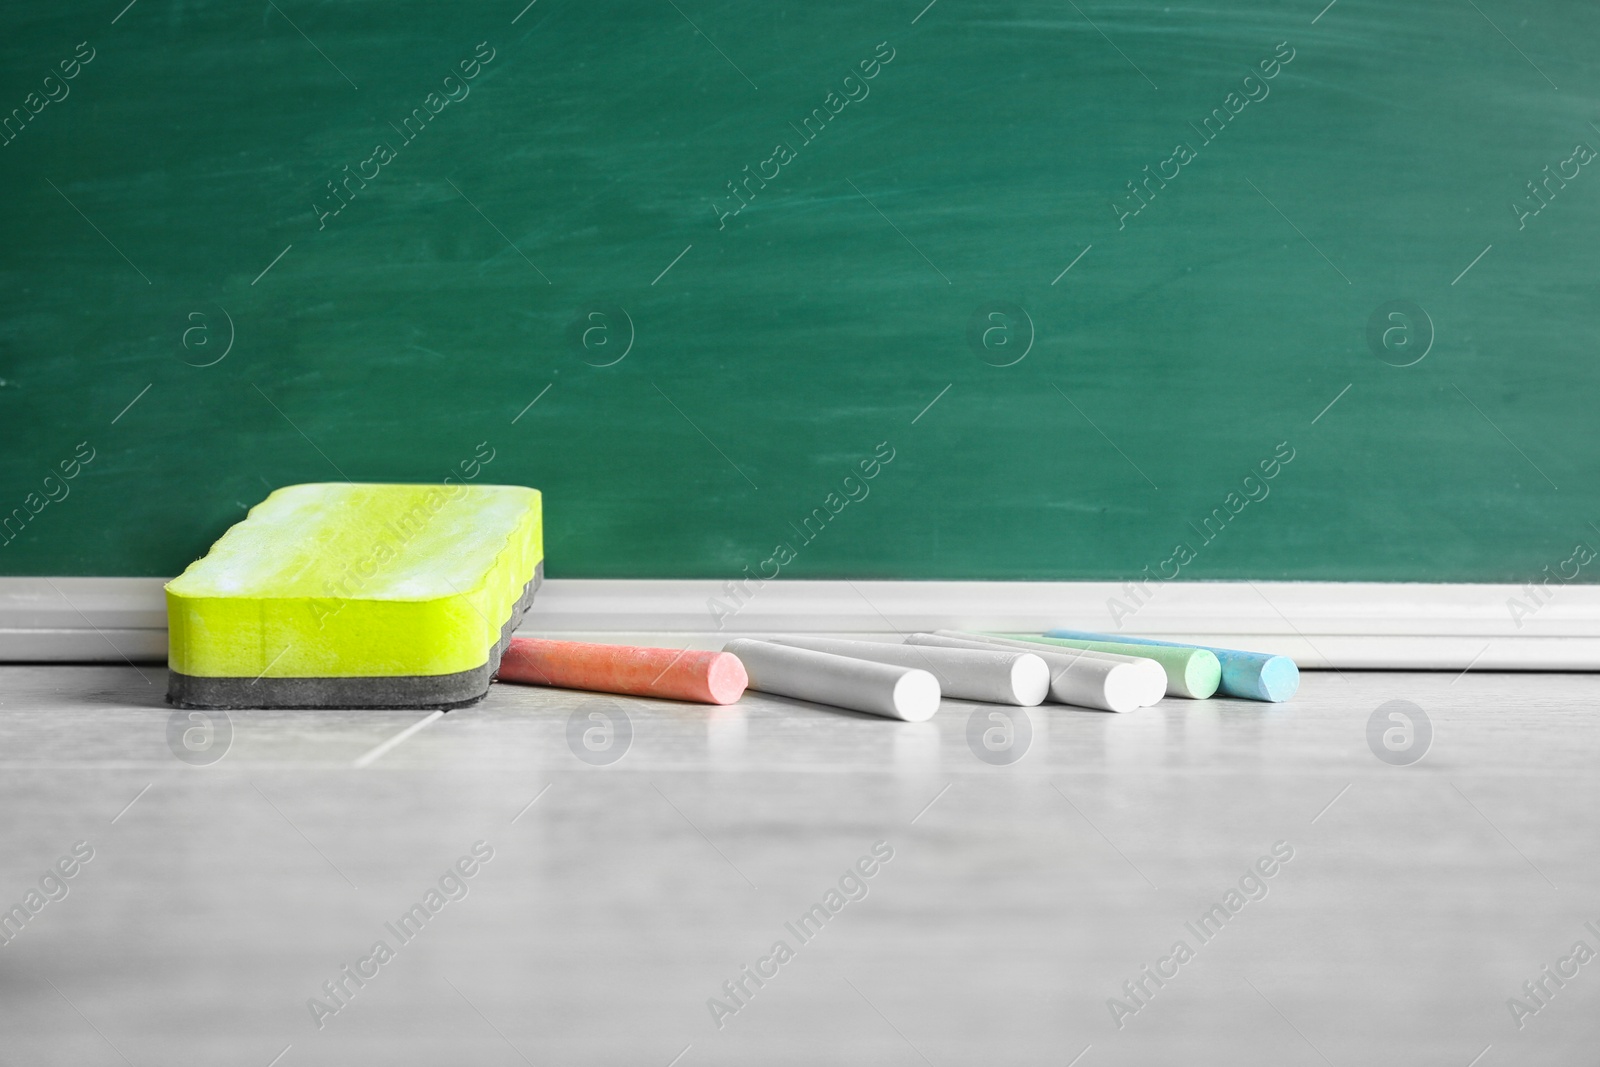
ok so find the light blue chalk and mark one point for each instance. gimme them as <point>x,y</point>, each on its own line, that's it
<point>1252,675</point>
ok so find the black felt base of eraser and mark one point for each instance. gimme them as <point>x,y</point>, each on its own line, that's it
<point>443,691</point>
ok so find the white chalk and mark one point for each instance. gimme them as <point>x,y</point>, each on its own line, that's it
<point>860,685</point>
<point>1000,676</point>
<point>1154,674</point>
<point>1107,683</point>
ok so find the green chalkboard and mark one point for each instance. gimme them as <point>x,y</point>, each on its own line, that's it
<point>1242,289</point>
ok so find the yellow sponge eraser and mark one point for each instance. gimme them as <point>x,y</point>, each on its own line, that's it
<point>344,595</point>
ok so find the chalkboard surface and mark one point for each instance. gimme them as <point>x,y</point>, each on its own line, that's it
<point>1091,289</point>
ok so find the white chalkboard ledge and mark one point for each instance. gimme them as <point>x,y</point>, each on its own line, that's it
<point>1320,624</point>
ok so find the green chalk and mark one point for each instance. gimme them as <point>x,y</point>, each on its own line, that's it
<point>345,595</point>
<point>1251,675</point>
<point>1191,672</point>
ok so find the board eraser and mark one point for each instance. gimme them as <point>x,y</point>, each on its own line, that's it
<point>672,673</point>
<point>997,677</point>
<point>1191,672</point>
<point>1085,679</point>
<point>341,595</point>
<point>906,693</point>
<point>1251,675</point>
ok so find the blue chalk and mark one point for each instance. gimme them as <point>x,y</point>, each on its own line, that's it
<point>1252,675</point>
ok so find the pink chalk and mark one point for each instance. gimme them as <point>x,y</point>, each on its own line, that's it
<point>672,673</point>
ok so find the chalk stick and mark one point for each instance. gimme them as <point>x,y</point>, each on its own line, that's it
<point>345,595</point>
<point>1251,675</point>
<point>1191,672</point>
<point>1088,680</point>
<point>894,692</point>
<point>1152,677</point>
<point>670,673</point>
<point>998,677</point>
